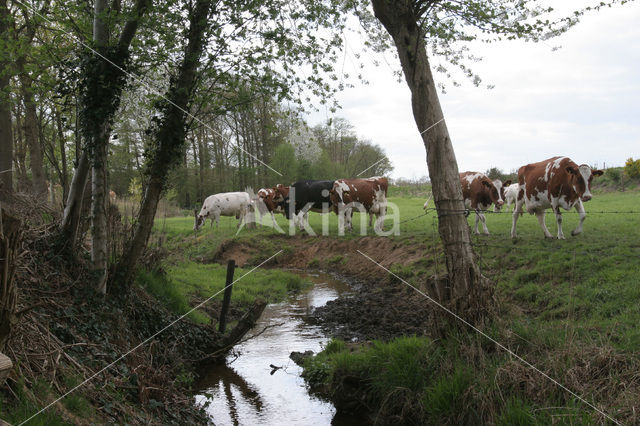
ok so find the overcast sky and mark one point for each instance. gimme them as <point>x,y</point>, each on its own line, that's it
<point>582,100</point>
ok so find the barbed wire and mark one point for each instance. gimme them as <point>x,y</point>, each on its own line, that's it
<point>459,211</point>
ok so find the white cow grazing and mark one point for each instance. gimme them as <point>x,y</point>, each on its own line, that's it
<point>223,204</point>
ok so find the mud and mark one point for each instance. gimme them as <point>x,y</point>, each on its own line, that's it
<point>379,307</point>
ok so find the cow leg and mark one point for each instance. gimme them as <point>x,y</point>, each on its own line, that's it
<point>517,211</point>
<point>350,220</point>
<point>342,217</point>
<point>556,210</point>
<point>540,216</point>
<point>477,220</point>
<point>480,215</point>
<point>583,215</point>
<point>380,219</point>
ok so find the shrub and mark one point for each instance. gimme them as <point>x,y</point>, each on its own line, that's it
<point>632,168</point>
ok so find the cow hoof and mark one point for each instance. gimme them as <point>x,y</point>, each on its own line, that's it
<point>486,233</point>
<point>562,237</point>
<point>514,239</point>
<point>574,233</point>
<point>550,237</point>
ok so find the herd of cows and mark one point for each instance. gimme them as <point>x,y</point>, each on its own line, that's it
<point>553,183</point>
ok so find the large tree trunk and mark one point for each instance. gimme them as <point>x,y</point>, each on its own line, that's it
<point>169,141</point>
<point>98,144</point>
<point>467,291</point>
<point>6,136</point>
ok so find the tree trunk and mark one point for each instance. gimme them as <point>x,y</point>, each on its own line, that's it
<point>72,210</point>
<point>64,177</point>
<point>169,141</point>
<point>467,291</point>
<point>10,235</point>
<point>31,136</point>
<point>6,134</point>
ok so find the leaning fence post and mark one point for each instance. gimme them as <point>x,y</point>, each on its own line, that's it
<point>222,324</point>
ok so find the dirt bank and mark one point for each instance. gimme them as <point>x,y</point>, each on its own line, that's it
<point>381,307</point>
<point>333,254</point>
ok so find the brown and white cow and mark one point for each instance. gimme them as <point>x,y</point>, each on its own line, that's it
<point>556,182</point>
<point>479,192</point>
<point>272,200</point>
<point>367,195</point>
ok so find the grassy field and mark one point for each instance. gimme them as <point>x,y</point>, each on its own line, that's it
<point>564,305</point>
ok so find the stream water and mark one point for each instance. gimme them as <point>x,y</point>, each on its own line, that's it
<point>248,391</point>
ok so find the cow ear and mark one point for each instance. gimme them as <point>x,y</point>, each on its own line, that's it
<point>572,170</point>
<point>597,172</point>
<point>506,183</point>
<point>487,184</point>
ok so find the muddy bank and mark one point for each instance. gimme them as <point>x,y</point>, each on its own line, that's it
<point>330,253</point>
<point>380,306</point>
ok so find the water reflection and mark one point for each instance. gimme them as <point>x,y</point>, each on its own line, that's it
<point>248,390</point>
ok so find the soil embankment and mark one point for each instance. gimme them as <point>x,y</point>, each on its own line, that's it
<point>381,307</point>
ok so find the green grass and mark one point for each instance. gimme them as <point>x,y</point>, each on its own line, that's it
<point>188,280</point>
<point>18,410</point>
<point>427,382</point>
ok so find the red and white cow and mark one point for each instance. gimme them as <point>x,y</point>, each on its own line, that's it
<point>556,182</point>
<point>479,192</point>
<point>272,200</point>
<point>367,195</point>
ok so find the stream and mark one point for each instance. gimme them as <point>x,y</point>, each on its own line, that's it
<point>247,391</point>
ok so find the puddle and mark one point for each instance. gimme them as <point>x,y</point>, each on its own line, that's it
<point>248,391</point>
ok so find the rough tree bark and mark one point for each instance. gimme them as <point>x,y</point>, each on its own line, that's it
<point>6,134</point>
<point>98,156</point>
<point>169,141</point>
<point>467,291</point>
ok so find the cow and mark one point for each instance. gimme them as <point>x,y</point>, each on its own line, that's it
<point>479,192</point>
<point>272,200</point>
<point>305,196</point>
<point>553,183</point>
<point>112,197</point>
<point>367,195</point>
<point>509,195</point>
<point>223,204</point>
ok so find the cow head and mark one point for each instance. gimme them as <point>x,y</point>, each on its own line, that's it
<point>581,178</point>
<point>199,219</point>
<point>337,194</point>
<point>494,191</point>
<point>282,192</point>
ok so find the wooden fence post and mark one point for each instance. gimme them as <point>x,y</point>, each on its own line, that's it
<point>222,325</point>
